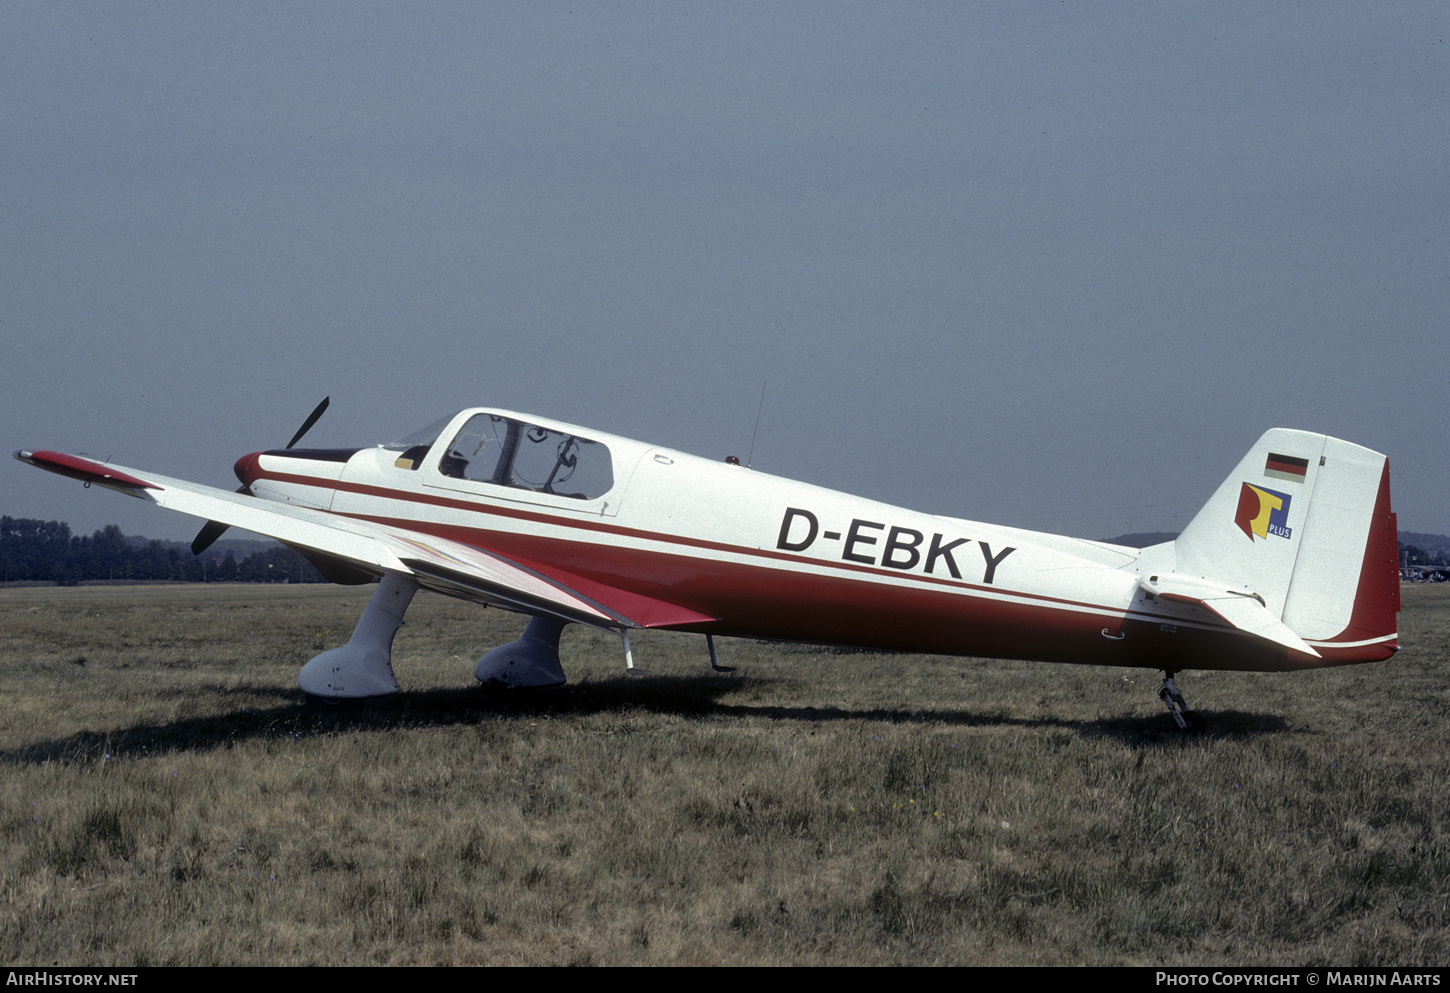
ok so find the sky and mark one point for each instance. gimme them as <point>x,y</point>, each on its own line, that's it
<point>1048,265</point>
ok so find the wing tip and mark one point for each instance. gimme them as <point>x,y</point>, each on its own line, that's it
<point>86,470</point>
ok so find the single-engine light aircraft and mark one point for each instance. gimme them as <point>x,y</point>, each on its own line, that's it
<point>1292,563</point>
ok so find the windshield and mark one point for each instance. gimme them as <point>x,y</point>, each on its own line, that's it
<point>423,436</point>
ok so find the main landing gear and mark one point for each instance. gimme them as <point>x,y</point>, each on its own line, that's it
<point>364,666</point>
<point>533,660</point>
<point>1187,720</point>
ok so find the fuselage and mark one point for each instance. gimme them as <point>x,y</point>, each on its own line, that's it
<point>766,557</point>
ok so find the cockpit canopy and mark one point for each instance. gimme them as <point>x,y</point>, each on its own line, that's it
<point>505,451</point>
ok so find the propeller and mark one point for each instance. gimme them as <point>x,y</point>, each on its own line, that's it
<point>213,530</point>
<point>307,424</point>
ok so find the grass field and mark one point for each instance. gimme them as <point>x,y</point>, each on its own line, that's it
<point>169,797</point>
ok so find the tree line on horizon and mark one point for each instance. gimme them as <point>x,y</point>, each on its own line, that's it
<point>46,551</point>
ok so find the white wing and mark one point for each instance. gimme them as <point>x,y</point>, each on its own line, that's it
<point>439,564</point>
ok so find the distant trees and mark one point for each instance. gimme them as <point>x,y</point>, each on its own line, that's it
<point>1414,555</point>
<point>47,551</point>
<point>32,549</point>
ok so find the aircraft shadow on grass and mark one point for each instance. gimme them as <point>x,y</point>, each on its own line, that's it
<point>693,697</point>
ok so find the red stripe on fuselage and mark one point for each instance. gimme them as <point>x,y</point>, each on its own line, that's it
<point>758,599</point>
<point>476,535</point>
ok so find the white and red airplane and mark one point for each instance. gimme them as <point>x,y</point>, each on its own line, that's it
<point>1292,563</point>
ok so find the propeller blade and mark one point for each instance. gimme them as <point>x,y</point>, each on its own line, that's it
<point>215,529</point>
<point>212,530</point>
<point>311,420</point>
<point>208,534</point>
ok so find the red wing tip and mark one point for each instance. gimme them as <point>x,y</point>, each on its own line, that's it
<point>83,469</point>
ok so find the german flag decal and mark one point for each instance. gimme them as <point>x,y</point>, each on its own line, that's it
<point>1286,467</point>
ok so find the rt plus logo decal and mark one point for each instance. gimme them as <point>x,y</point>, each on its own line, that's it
<point>1263,512</point>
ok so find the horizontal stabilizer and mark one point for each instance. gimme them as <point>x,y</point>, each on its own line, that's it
<point>1241,608</point>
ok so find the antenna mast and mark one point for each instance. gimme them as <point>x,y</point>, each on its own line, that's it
<point>751,457</point>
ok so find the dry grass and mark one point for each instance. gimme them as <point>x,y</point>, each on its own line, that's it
<point>169,797</point>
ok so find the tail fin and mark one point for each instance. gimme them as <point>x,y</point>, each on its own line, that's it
<point>1304,521</point>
